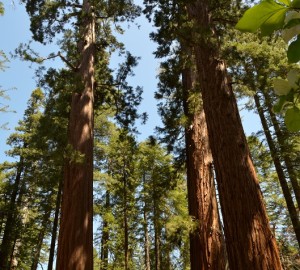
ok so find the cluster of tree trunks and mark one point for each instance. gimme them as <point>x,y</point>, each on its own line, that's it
<point>249,239</point>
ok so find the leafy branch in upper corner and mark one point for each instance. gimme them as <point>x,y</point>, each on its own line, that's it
<point>283,16</point>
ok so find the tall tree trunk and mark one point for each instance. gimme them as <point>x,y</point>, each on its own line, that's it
<point>14,256</point>
<point>39,244</point>
<point>157,232</point>
<point>207,250</point>
<point>146,233</point>
<point>249,239</point>
<point>147,243</point>
<point>55,225</point>
<point>125,224</point>
<point>281,139</point>
<point>281,176</point>
<point>75,244</point>
<point>7,245</point>
<point>23,219</point>
<point>105,236</point>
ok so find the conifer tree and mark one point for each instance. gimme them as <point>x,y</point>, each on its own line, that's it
<point>20,142</point>
<point>250,70</point>
<point>87,19</point>
<point>246,225</point>
<point>182,111</point>
<point>275,203</point>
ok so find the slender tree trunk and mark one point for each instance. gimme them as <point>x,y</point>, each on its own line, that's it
<point>287,160</point>
<point>75,244</point>
<point>146,233</point>
<point>105,236</point>
<point>7,245</point>
<point>39,244</point>
<point>249,239</point>
<point>13,257</point>
<point>281,176</point>
<point>2,218</point>
<point>156,238</point>
<point>167,257</point>
<point>55,225</point>
<point>207,250</point>
<point>147,244</point>
<point>125,216</point>
<point>22,219</point>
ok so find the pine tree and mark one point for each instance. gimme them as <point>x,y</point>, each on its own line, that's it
<point>20,142</point>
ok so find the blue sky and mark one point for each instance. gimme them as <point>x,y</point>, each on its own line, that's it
<point>14,27</point>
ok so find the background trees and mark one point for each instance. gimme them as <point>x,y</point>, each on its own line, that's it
<point>147,210</point>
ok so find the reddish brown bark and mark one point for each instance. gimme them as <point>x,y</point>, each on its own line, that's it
<point>75,244</point>
<point>207,250</point>
<point>249,239</point>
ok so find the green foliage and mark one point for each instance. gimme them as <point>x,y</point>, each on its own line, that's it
<point>293,51</point>
<point>269,16</point>
<point>292,119</point>
<point>3,92</point>
<point>38,143</point>
<point>141,179</point>
<point>73,155</point>
<point>1,8</point>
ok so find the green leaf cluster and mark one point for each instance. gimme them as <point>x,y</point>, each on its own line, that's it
<point>1,8</point>
<point>269,16</point>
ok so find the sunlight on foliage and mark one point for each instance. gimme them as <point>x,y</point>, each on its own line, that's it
<point>269,16</point>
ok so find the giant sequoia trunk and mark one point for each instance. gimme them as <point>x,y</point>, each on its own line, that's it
<point>279,170</point>
<point>207,250</point>
<point>249,239</point>
<point>75,244</point>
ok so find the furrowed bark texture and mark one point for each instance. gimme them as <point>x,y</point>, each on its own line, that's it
<point>249,240</point>
<point>207,250</point>
<point>75,246</point>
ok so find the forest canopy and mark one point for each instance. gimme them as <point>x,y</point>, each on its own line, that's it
<point>82,187</point>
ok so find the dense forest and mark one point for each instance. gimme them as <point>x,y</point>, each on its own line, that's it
<point>81,191</point>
